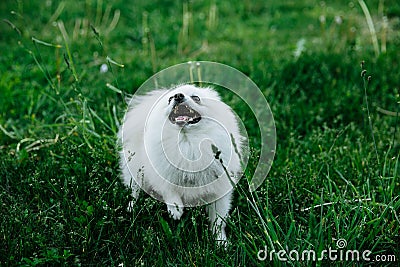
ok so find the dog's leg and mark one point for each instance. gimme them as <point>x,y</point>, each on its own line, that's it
<point>217,213</point>
<point>174,206</point>
<point>135,194</point>
<point>130,181</point>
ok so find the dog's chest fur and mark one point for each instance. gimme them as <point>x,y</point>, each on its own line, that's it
<point>189,157</point>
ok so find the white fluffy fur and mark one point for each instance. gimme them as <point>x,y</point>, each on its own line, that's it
<point>177,165</point>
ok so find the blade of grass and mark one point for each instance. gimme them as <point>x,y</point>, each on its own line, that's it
<point>371,26</point>
<point>66,41</point>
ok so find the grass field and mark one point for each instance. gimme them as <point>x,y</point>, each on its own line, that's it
<point>336,171</point>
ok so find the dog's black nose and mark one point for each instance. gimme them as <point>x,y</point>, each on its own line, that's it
<point>179,97</point>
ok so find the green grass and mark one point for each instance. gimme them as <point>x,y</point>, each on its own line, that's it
<point>61,199</point>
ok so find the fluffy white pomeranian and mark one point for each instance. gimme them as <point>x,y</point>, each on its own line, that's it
<point>183,147</point>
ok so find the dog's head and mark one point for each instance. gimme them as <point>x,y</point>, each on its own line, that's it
<point>183,109</point>
<point>187,104</point>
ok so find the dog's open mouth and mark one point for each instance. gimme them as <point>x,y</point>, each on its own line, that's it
<point>182,114</point>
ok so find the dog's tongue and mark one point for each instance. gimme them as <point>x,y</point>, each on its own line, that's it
<point>181,118</point>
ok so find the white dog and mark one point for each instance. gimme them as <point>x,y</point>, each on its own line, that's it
<point>183,147</point>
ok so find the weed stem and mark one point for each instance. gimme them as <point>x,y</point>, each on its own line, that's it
<point>366,81</point>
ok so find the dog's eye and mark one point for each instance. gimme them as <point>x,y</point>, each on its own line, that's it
<point>195,98</point>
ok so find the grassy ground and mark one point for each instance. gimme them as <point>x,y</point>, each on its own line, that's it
<point>336,171</point>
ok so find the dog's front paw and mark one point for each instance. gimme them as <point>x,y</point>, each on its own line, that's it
<point>130,206</point>
<point>219,234</point>
<point>175,211</point>
<point>222,244</point>
<point>221,239</point>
